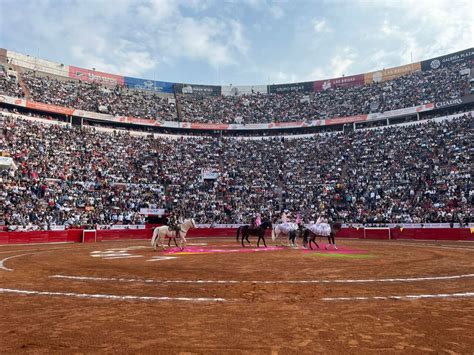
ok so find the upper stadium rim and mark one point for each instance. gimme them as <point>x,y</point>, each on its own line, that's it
<point>91,75</point>
<point>317,124</point>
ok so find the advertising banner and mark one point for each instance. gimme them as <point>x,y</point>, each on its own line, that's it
<point>212,126</point>
<point>454,102</point>
<point>198,90</point>
<point>209,174</point>
<point>294,87</point>
<point>391,73</point>
<point>152,85</point>
<point>49,108</point>
<point>152,211</point>
<point>344,81</point>
<point>341,120</point>
<point>95,76</point>
<point>12,101</point>
<point>448,59</point>
<point>238,90</point>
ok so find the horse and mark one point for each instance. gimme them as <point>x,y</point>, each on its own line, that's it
<point>283,229</point>
<point>310,235</point>
<point>293,234</point>
<point>259,232</point>
<point>159,233</point>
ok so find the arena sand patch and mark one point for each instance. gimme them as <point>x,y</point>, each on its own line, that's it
<point>340,252</point>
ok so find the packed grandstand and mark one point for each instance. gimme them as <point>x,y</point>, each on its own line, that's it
<point>306,147</point>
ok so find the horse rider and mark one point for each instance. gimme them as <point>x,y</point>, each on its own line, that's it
<point>322,219</point>
<point>173,223</point>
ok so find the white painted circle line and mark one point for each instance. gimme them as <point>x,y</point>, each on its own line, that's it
<point>402,297</point>
<point>3,267</point>
<point>410,279</point>
<point>111,297</point>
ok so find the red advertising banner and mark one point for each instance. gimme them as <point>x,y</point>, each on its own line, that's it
<point>344,81</point>
<point>95,76</point>
<point>349,119</point>
<point>209,126</point>
<point>49,108</point>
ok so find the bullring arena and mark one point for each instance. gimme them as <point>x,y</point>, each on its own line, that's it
<point>402,296</point>
<point>100,165</point>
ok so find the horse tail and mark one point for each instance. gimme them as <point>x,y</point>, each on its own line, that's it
<point>238,232</point>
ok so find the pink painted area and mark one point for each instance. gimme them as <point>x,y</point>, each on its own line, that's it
<point>223,249</point>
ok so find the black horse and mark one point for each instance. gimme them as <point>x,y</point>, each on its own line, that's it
<point>259,231</point>
<point>297,233</point>
<point>309,236</point>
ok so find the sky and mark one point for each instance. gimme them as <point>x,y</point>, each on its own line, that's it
<point>239,42</point>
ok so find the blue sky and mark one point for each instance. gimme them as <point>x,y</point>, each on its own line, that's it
<point>236,41</point>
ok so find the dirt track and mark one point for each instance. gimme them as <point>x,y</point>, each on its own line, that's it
<point>280,301</point>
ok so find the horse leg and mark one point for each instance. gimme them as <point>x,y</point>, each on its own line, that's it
<point>243,237</point>
<point>263,238</point>
<point>333,238</point>
<point>183,242</point>
<point>175,243</point>
<point>247,238</point>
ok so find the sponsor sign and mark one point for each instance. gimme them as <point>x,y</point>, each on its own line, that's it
<point>152,211</point>
<point>212,126</point>
<point>391,73</point>
<point>12,100</point>
<point>152,85</point>
<point>287,124</point>
<point>49,108</point>
<point>454,102</point>
<point>230,90</point>
<point>209,174</point>
<point>95,76</point>
<point>344,81</point>
<point>342,120</point>
<point>295,87</point>
<point>199,90</point>
<point>448,59</point>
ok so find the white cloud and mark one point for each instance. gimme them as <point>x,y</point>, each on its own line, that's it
<point>277,12</point>
<point>320,25</point>
<point>342,61</point>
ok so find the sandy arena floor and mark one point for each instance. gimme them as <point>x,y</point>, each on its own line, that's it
<point>122,297</point>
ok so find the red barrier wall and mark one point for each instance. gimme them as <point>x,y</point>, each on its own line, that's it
<point>117,234</point>
<point>70,235</point>
<point>75,235</point>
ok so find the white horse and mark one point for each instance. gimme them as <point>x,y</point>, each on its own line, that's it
<point>160,233</point>
<point>283,229</point>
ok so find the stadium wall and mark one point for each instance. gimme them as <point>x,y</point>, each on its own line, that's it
<point>75,235</point>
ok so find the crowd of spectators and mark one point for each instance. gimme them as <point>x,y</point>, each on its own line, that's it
<point>9,85</point>
<point>407,91</point>
<point>413,89</point>
<point>117,100</point>
<point>70,176</point>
